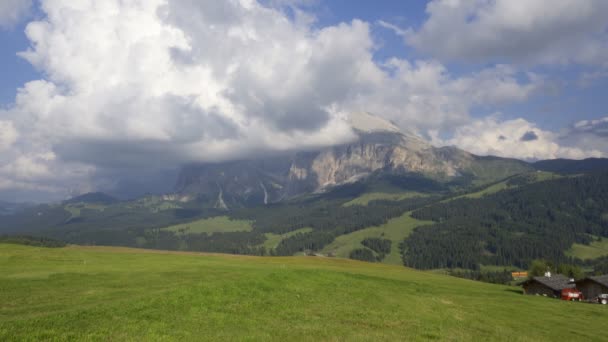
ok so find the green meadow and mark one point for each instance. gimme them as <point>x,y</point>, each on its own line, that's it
<point>532,177</point>
<point>75,209</point>
<point>396,230</point>
<point>120,294</point>
<point>367,197</point>
<point>595,249</point>
<point>273,240</point>
<point>219,224</point>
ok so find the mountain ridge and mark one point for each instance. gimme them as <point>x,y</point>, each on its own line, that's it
<point>380,147</point>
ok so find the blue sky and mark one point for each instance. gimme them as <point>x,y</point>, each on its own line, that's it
<point>15,70</point>
<point>116,87</point>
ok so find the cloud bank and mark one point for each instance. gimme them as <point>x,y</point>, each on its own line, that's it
<point>522,139</point>
<point>136,85</point>
<point>531,31</point>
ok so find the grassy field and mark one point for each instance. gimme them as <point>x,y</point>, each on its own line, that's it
<point>594,250</point>
<point>117,294</point>
<point>154,203</point>
<point>396,230</point>
<point>376,196</point>
<point>492,189</point>
<point>75,209</point>
<point>273,240</point>
<point>220,224</point>
<point>537,176</point>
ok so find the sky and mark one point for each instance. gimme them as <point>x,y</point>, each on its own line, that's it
<point>98,94</point>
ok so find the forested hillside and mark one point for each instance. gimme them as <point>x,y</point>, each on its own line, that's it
<point>535,215</point>
<point>512,227</point>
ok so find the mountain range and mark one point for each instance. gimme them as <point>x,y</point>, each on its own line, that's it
<point>389,196</point>
<point>380,148</point>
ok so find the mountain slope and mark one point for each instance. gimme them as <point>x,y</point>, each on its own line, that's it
<point>92,198</point>
<point>512,227</point>
<point>9,208</point>
<point>506,223</point>
<point>567,166</point>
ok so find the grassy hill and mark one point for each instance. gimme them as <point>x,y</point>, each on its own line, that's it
<point>273,240</point>
<point>396,230</point>
<point>367,197</point>
<point>594,250</point>
<point>218,224</point>
<point>102,293</point>
<point>510,183</point>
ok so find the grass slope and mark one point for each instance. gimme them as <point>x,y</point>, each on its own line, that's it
<point>594,250</point>
<point>365,198</point>
<point>273,240</point>
<point>492,189</point>
<point>153,203</point>
<point>76,209</point>
<point>101,294</point>
<point>396,230</point>
<point>219,224</point>
<point>532,177</point>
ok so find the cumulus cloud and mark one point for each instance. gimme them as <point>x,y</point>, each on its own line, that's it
<point>424,95</point>
<point>8,135</point>
<point>132,85</point>
<point>13,11</point>
<point>588,134</point>
<point>532,31</point>
<point>516,138</point>
<point>598,128</point>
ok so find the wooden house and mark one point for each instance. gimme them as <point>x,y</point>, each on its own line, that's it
<point>591,287</point>
<point>551,285</point>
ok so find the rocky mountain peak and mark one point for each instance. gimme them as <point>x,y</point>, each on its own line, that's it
<point>382,147</point>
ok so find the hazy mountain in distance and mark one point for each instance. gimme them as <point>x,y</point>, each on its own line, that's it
<point>9,208</point>
<point>569,166</point>
<point>92,198</point>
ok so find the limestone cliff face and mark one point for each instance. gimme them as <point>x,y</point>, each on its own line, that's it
<point>379,149</point>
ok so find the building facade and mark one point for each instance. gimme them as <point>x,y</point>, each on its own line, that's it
<point>550,286</point>
<point>592,287</point>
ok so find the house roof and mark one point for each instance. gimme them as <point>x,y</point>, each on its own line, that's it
<point>556,282</point>
<point>602,280</point>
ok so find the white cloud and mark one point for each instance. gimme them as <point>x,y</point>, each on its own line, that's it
<point>517,138</point>
<point>424,95</point>
<point>13,11</point>
<point>396,29</point>
<point>8,135</point>
<point>147,84</point>
<point>588,134</point>
<point>531,31</point>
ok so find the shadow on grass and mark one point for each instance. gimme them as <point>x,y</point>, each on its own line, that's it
<point>514,290</point>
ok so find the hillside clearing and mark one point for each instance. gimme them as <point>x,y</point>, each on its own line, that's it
<point>220,224</point>
<point>385,196</point>
<point>396,230</point>
<point>531,177</point>
<point>273,240</point>
<point>76,209</point>
<point>594,250</point>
